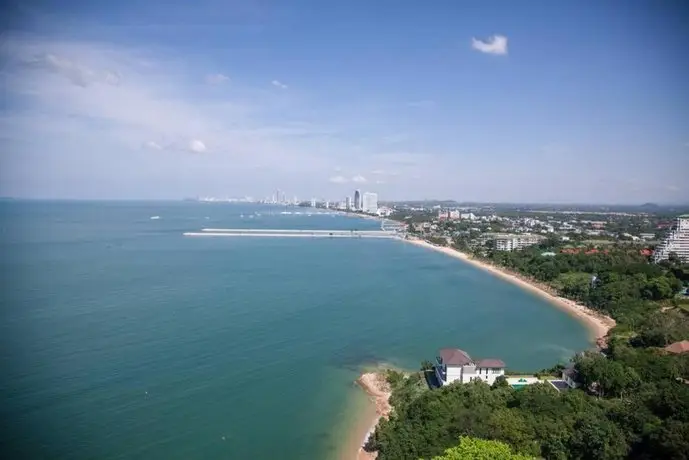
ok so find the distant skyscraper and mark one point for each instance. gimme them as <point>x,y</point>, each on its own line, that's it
<point>369,202</point>
<point>348,203</point>
<point>313,202</point>
<point>357,200</point>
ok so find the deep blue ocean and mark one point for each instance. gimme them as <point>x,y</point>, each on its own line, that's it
<point>122,339</point>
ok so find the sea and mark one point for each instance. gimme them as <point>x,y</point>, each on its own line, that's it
<point>120,338</point>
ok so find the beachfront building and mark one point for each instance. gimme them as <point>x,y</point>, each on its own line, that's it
<point>348,203</point>
<point>455,365</point>
<point>516,242</point>
<point>677,241</point>
<point>357,200</point>
<point>369,203</point>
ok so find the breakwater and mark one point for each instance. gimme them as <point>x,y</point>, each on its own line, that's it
<point>287,233</point>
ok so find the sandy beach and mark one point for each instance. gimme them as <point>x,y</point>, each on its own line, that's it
<point>597,323</point>
<point>378,390</point>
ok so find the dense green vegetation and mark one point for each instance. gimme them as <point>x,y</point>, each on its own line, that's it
<point>480,449</point>
<point>634,397</point>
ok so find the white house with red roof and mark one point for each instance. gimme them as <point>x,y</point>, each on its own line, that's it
<point>455,365</point>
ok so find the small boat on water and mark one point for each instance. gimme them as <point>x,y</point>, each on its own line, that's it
<point>155,217</point>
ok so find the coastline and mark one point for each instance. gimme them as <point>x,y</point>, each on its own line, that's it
<point>377,390</point>
<point>378,393</point>
<point>597,323</point>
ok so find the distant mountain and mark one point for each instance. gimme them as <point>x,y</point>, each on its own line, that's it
<point>650,206</point>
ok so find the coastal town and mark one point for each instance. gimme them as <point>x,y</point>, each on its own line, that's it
<point>580,260</point>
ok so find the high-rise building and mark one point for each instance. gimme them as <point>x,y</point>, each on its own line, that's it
<point>313,202</point>
<point>369,202</point>
<point>357,200</point>
<point>348,203</point>
<point>677,241</point>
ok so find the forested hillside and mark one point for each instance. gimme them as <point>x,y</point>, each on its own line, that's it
<point>634,401</point>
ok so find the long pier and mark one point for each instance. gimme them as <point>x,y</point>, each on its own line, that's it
<point>292,233</point>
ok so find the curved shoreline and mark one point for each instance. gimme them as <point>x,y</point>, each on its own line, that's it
<point>597,323</point>
<point>378,390</point>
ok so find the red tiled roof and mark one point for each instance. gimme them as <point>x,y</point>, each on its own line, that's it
<point>678,347</point>
<point>455,357</point>
<point>490,362</point>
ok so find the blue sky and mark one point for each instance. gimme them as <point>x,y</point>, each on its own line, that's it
<point>542,101</point>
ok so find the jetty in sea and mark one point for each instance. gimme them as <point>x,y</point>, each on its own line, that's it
<point>293,233</point>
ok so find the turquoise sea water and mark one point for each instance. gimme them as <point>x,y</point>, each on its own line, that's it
<point>120,338</point>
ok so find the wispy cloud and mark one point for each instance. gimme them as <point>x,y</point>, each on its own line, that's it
<point>359,179</point>
<point>74,71</point>
<point>216,78</point>
<point>153,145</point>
<point>383,172</point>
<point>138,100</point>
<point>197,146</point>
<point>496,44</point>
<point>278,84</point>
<point>339,180</point>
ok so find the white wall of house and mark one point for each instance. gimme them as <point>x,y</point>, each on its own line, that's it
<point>465,374</point>
<point>488,374</point>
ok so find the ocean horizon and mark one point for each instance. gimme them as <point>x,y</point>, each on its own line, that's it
<point>121,338</point>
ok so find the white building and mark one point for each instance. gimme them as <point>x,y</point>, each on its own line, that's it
<point>454,365</point>
<point>516,242</point>
<point>348,203</point>
<point>677,241</point>
<point>453,215</point>
<point>313,202</point>
<point>369,203</point>
<point>384,211</point>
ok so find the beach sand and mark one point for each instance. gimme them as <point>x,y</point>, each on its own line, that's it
<point>378,391</point>
<point>597,323</point>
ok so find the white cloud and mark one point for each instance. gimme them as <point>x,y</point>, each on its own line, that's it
<point>496,44</point>
<point>278,84</point>
<point>359,179</point>
<point>77,73</point>
<point>339,180</point>
<point>197,146</point>
<point>216,78</point>
<point>383,172</point>
<point>153,145</point>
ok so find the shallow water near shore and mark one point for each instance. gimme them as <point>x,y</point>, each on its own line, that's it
<point>122,338</point>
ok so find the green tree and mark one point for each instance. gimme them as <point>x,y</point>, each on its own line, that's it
<point>597,437</point>
<point>480,449</point>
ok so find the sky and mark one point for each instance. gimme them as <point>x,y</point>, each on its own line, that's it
<point>496,101</point>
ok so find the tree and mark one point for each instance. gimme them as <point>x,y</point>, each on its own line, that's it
<point>480,449</point>
<point>597,437</point>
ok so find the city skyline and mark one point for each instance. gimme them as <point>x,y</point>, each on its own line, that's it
<point>548,103</point>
